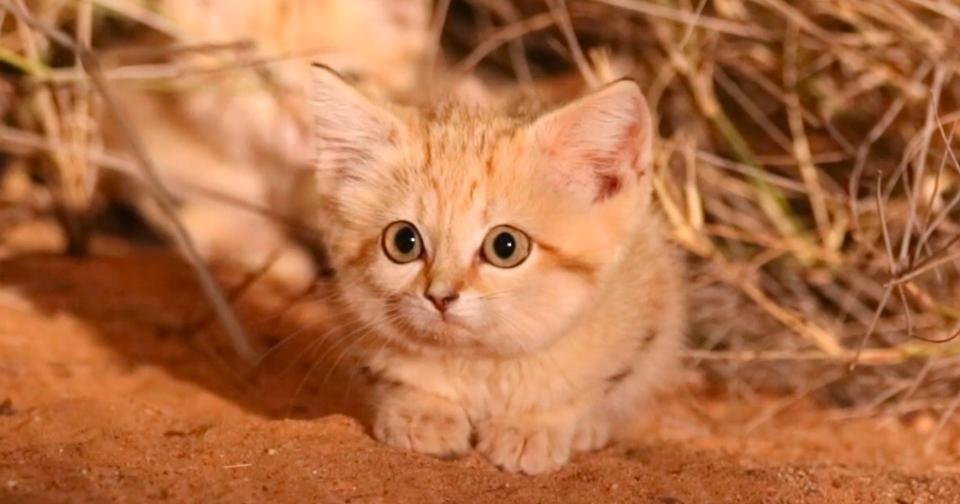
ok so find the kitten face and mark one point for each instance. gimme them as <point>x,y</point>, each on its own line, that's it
<point>461,232</point>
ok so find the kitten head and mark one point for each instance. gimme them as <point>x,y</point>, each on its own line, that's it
<point>461,231</point>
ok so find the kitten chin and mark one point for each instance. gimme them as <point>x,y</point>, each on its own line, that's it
<point>534,229</point>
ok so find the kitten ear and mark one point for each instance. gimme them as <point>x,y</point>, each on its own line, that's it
<point>350,132</point>
<point>594,144</point>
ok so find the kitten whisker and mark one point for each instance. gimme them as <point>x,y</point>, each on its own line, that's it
<point>372,332</point>
<point>332,330</point>
<point>365,326</point>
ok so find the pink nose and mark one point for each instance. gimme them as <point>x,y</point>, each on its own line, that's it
<point>441,300</point>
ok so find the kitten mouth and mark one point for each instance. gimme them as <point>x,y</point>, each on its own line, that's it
<point>440,330</point>
<point>447,321</point>
<point>432,328</point>
<point>442,322</point>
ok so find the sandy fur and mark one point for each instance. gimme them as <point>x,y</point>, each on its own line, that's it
<point>540,360</point>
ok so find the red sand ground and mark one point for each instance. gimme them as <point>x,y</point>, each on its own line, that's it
<point>104,396</point>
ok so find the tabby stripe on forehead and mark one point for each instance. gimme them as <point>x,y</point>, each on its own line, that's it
<point>427,153</point>
<point>568,263</point>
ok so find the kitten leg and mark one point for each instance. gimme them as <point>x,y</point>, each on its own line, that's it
<point>623,393</point>
<point>530,444</point>
<point>414,420</point>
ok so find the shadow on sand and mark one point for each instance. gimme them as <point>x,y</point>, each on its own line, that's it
<point>146,306</point>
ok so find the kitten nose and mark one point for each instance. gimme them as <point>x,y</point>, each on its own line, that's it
<point>442,299</point>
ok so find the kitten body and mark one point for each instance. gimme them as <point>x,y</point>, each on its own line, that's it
<point>531,361</point>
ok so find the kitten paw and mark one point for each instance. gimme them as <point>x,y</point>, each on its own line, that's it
<point>424,424</point>
<point>591,435</point>
<point>529,447</point>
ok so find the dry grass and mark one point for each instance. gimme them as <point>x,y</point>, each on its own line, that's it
<point>70,173</point>
<point>806,163</point>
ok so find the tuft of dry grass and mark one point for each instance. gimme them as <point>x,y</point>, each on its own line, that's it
<point>72,179</point>
<point>807,161</point>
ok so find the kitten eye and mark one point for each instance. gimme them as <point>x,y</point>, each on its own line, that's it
<point>506,247</point>
<point>401,242</point>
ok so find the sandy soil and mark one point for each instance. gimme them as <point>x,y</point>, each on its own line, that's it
<point>115,386</point>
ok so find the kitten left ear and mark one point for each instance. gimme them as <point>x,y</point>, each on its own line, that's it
<point>595,143</point>
<point>351,133</point>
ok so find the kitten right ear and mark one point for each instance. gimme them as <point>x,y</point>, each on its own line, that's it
<point>599,143</point>
<point>350,132</point>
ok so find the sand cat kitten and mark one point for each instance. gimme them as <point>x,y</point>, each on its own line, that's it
<point>518,289</point>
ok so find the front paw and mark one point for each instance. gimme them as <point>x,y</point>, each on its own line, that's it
<point>529,446</point>
<point>591,434</point>
<point>422,423</point>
